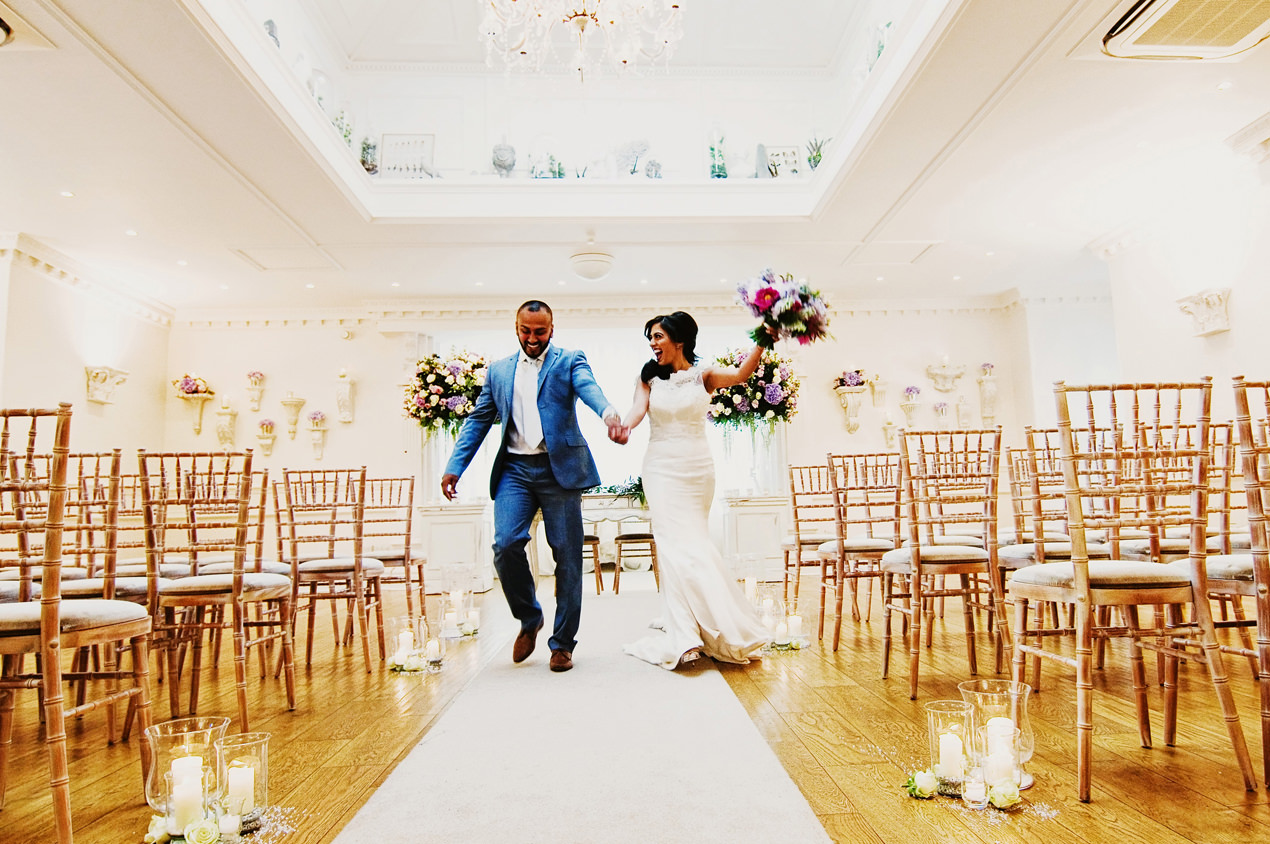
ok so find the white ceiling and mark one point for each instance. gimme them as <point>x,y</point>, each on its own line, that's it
<point>1006,139</point>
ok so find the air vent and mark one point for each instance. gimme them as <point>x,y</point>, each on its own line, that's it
<point>1188,29</point>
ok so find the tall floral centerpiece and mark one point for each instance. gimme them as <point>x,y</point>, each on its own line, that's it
<point>768,397</point>
<point>443,391</point>
<point>850,387</point>
<point>790,310</point>
<point>193,391</point>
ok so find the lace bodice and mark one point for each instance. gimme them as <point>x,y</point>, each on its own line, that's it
<point>677,406</point>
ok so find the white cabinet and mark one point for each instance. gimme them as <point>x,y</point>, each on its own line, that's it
<point>457,540</point>
<point>753,528</point>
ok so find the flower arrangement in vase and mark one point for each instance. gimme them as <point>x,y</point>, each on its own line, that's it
<point>909,404</point>
<point>317,432</point>
<point>769,396</point>
<point>444,390</point>
<point>941,413</point>
<point>265,436</point>
<point>255,387</point>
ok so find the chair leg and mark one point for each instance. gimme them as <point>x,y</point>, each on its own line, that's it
<point>888,586</point>
<point>360,601</point>
<point>140,647</point>
<point>288,649</point>
<point>917,603</point>
<point>1221,684</point>
<point>617,569</point>
<point>1084,700</point>
<point>839,574</point>
<point>968,615</point>
<point>8,698</point>
<point>1139,672</point>
<point>652,550</point>
<point>785,560</point>
<point>240,664</point>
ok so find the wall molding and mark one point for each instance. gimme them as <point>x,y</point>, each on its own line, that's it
<point>21,250</point>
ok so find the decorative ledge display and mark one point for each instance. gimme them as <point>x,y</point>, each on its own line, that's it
<point>344,397</point>
<point>193,391</point>
<point>102,381</point>
<point>850,387</point>
<point>317,433</point>
<point>945,375</point>
<point>255,388</point>
<point>909,404</point>
<point>226,416</point>
<point>988,395</point>
<point>1209,311</point>
<point>265,436</point>
<point>293,405</point>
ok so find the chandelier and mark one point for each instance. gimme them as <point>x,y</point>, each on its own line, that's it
<point>619,33</point>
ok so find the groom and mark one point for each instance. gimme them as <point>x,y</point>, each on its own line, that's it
<point>543,463</point>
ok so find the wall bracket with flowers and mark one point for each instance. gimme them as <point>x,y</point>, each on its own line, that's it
<point>850,387</point>
<point>444,390</point>
<point>344,397</point>
<point>317,433</point>
<point>226,417</point>
<point>102,381</point>
<point>195,393</point>
<point>265,436</point>
<point>255,388</point>
<point>910,403</point>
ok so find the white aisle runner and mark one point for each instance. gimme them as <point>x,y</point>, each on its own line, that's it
<point>614,751</point>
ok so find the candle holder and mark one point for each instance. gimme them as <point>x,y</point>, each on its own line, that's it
<point>997,750</point>
<point>454,610</point>
<point>180,739</point>
<point>1005,699</point>
<point>243,761</point>
<point>952,735</point>
<point>408,636</point>
<point>974,791</point>
<point>434,654</point>
<point>186,798</point>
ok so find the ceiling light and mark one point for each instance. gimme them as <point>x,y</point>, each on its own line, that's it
<point>989,254</point>
<point>880,278</point>
<point>131,232</point>
<point>480,284</point>
<point>182,263</point>
<point>67,194</point>
<point>310,286</point>
<point>560,282</point>
<point>591,263</point>
<point>396,284</point>
<point>224,287</point>
<point>643,281</point>
<point>622,33</point>
<point>1225,86</point>
<point>956,278</point>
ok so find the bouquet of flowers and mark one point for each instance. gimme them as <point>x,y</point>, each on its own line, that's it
<point>789,309</point>
<point>444,389</point>
<point>851,378</point>
<point>770,396</point>
<point>317,419</point>
<point>190,384</point>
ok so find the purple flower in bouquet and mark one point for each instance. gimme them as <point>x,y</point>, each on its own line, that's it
<point>191,385</point>
<point>455,402</point>
<point>986,368</point>
<point>790,309</point>
<point>768,397</point>
<point>911,393</point>
<point>444,390</point>
<point>850,378</point>
<point>773,394</point>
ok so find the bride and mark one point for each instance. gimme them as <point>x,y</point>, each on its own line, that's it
<point>705,610</point>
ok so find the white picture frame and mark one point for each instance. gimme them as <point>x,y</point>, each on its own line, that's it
<point>404,156</point>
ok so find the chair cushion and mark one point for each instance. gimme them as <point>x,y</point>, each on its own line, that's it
<point>370,566</point>
<point>961,541</point>
<point>856,543</point>
<point>1098,535</point>
<point>1139,549</point>
<point>210,584</point>
<point>24,618</point>
<point>267,566</point>
<point>126,588</point>
<point>1221,566</point>
<point>1012,556</point>
<point>633,537</point>
<point>815,538</point>
<point>900,560</point>
<point>1238,542</point>
<point>1013,538</point>
<point>1103,574</point>
<point>172,571</point>
<point>397,551</point>
<point>37,572</point>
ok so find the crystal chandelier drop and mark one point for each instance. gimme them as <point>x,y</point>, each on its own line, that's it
<point>621,33</point>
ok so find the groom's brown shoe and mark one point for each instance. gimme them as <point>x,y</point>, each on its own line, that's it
<point>525,642</point>
<point>561,660</point>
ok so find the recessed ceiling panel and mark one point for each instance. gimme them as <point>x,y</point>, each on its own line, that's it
<point>891,252</point>
<point>272,258</point>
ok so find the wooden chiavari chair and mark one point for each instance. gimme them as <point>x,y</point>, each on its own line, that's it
<point>196,505</point>
<point>321,519</point>
<point>811,506</point>
<point>948,484</point>
<point>866,496</point>
<point>388,528</point>
<point>50,626</point>
<point>1134,480</point>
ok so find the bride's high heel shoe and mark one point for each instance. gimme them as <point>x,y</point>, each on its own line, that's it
<point>689,657</point>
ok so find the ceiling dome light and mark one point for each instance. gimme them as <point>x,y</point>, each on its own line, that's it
<point>591,263</point>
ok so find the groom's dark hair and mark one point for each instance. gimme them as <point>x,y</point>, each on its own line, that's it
<point>680,328</point>
<point>534,306</point>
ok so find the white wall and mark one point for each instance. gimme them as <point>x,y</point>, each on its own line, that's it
<point>53,329</point>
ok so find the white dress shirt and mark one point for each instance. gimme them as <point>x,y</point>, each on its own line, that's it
<point>526,435</point>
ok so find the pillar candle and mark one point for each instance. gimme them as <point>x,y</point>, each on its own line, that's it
<point>1000,733</point>
<point>998,767</point>
<point>474,619</point>
<point>230,824</point>
<point>187,768</point>
<point>186,805</point>
<point>241,787</point>
<point>405,644</point>
<point>795,623</point>
<point>432,650</point>
<point>951,753</point>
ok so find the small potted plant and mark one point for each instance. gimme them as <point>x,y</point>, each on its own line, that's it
<point>370,156</point>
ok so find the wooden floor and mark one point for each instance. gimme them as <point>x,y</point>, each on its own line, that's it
<point>846,737</point>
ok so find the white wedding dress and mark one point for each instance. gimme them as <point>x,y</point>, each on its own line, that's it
<point>703,607</point>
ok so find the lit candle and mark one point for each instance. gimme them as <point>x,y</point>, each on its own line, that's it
<point>975,791</point>
<point>241,787</point>
<point>951,757</point>
<point>451,625</point>
<point>405,644</point>
<point>187,768</point>
<point>998,767</point>
<point>432,651</point>
<point>768,604</point>
<point>751,589</point>
<point>781,635</point>
<point>230,824</point>
<point>795,623</point>
<point>1000,732</point>
<point>186,805</point>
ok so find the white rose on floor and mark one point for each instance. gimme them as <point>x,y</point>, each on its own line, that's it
<point>158,832</point>
<point>922,784</point>
<point>202,832</point>
<point>1003,795</point>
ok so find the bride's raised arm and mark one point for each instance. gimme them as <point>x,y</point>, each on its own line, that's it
<point>639,406</point>
<point>718,377</point>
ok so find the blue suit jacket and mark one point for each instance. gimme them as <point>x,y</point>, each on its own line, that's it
<point>564,378</point>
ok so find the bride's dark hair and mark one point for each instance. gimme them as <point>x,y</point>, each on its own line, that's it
<point>680,328</point>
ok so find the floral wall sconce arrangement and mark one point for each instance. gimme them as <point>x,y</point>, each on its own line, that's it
<point>910,403</point>
<point>226,417</point>
<point>265,436</point>
<point>850,387</point>
<point>317,433</point>
<point>988,395</point>
<point>941,413</point>
<point>102,381</point>
<point>193,391</point>
<point>344,397</point>
<point>255,388</point>
<point>945,375</point>
<point>292,404</point>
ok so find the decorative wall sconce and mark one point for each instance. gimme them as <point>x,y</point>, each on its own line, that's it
<point>963,413</point>
<point>196,402</point>
<point>945,375</point>
<point>941,413</point>
<point>909,404</point>
<point>988,396</point>
<point>850,398</point>
<point>889,430</point>
<point>226,416</point>
<point>255,388</point>
<point>1209,311</point>
<point>879,389</point>
<point>102,381</point>
<point>292,404</point>
<point>265,436</point>
<point>317,433</point>
<point>344,397</point>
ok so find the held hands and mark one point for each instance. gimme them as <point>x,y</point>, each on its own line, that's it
<point>449,486</point>
<point>619,433</point>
